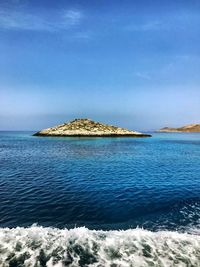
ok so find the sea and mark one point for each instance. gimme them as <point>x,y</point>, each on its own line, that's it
<point>99,201</point>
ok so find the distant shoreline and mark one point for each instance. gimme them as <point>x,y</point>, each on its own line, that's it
<point>191,128</point>
<point>93,136</point>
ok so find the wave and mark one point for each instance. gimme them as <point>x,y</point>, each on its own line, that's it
<point>39,246</point>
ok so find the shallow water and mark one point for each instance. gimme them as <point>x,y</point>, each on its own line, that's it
<point>103,184</point>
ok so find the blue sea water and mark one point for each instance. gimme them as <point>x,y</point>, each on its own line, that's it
<point>100,201</point>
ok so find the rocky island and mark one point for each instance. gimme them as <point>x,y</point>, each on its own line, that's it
<point>192,128</point>
<point>88,128</point>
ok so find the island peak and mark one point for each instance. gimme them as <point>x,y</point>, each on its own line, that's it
<point>86,127</point>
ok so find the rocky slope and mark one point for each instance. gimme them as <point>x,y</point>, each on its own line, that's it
<point>86,127</point>
<point>187,128</point>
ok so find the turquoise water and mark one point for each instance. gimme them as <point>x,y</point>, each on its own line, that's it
<point>142,186</point>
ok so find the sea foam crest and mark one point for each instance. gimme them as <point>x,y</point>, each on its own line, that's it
<point>38,246</point>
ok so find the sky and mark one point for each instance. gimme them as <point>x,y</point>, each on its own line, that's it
<point>134,63</point>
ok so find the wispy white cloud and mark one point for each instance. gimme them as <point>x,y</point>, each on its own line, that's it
<point>83,35</point>
<point>72,17</point>
<point>143,75</point>
<point>178,20</point>
<point>179,67</point>
<point>20,20</point>
<point>147,26</point>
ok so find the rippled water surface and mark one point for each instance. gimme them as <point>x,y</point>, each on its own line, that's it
<point>104,184</point>
<point>101,183</point>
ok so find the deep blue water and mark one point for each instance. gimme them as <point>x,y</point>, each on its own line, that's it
<point>148,187</point>
<point>100,183</point>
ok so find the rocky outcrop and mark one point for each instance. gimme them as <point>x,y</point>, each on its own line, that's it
<point>86,127</point>
<point>192,128</point>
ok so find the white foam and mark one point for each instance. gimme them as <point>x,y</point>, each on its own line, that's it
<point>39,246</point>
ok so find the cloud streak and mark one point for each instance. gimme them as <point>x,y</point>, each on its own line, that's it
<point>20,20</point>
<point>142,75</point>
<point>148,26</point>
<point>179,20</point>
<point>72,17</point>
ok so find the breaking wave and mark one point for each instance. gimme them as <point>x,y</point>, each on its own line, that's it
<point>38,246</point>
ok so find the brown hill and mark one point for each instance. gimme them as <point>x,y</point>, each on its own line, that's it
<point>192,128</point>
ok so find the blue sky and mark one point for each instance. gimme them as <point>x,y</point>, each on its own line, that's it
<point>131,63</point>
